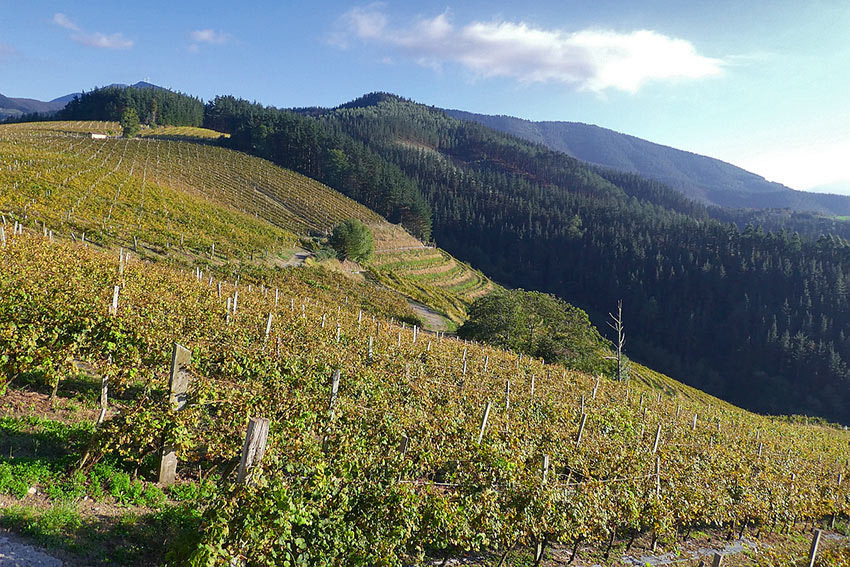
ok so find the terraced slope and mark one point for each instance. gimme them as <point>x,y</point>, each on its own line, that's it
<point>428,274</point>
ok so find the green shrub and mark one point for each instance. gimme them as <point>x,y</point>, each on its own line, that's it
<point>352,240</point>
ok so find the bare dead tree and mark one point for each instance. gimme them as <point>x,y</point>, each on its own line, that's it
<point>616,323</point>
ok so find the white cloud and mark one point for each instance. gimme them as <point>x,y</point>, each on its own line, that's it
<point>62,20</point>
<point>589,59</point>
<point>103,41</point>
<point>92,39</point>
<point>210,36</point>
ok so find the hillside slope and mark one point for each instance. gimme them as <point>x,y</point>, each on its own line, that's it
<point>173,192</point>
<point>705,179</point>
<point>760,318</point>
<point>421,449</point>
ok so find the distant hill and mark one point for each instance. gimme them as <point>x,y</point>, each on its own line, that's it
<point>14,107</point>
<point>699,177</point>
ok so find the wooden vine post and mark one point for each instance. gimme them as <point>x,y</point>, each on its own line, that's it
<point>104,396</point>
<point>254,447</point>
<point>541,541</point>
<point>484,419</point>
<point>332,404</point>
<point>813,551</point>
<point>113,308</point>
<point>178,383</point>
<point>268,328</point>
<point>718,560</point>
<point>581,429</point>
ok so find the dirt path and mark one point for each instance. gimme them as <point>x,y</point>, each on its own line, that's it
<point>434,320</point>
<point>15,553</point>
<point>296,259</point>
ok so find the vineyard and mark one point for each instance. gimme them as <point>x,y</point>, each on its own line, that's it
<point>427,274</point>
<point>169,193</point>
<point>387,445</point>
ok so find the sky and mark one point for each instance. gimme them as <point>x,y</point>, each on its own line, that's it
<point>764,85</point>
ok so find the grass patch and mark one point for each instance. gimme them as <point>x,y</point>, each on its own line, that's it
<point>128,539</point>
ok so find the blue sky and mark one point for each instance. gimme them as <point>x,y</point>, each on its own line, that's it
<point>764,85</point>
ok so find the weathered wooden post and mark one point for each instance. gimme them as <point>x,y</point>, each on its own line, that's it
<point>332,405</point>
<point>595,388</point>
<point>718,560</point>
<point>113,309</point>
<point>484,419</point>
<point>254,448</point>
<point>581,429</point>
<point>334,391</point>
<point>657,439</point>
<point>104,396</point>
<point>658,477</point>
<point>533,382</point>
<point>813,551</point>
<point>541,542</point>
<point>178,383</point>
<point>268,328</point>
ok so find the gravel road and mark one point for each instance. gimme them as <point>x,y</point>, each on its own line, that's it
<point>14,553</point>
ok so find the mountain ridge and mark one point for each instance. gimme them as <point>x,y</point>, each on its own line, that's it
<point>703,178</point>
<point>13,107</point>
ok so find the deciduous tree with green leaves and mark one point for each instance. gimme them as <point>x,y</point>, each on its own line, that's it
<point>538,324</point>
<point>352,240</point>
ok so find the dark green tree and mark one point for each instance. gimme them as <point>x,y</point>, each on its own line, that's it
<point>130,123</point>
<point>538,324</point>
<point>352,240</point>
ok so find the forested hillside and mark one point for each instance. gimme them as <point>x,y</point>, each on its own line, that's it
<point>301,144</point>
<point>706,179</point>
<point>760,318</point>
<point>153,104</point>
